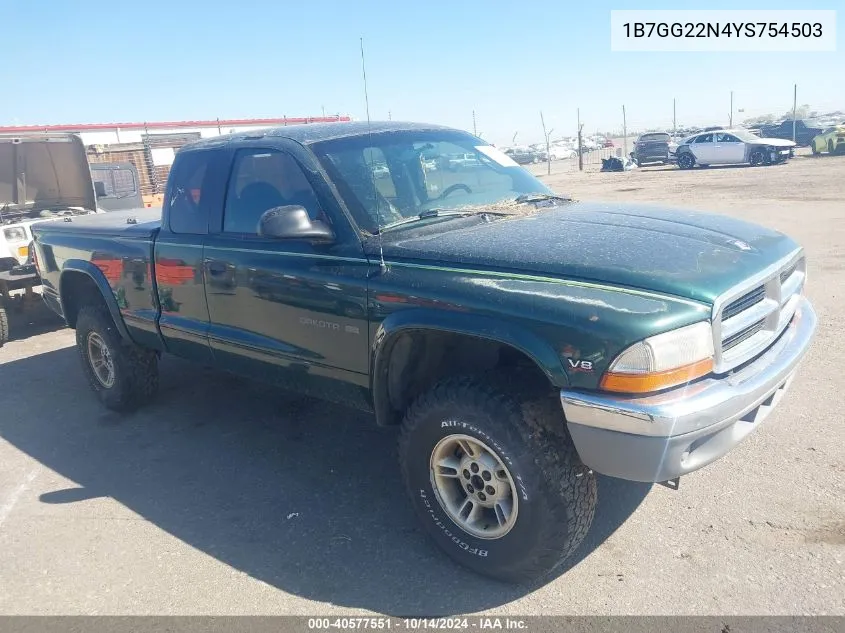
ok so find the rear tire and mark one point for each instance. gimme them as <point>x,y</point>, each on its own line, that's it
<point>4,325</point>
<point>814,149</point>
<point>544,497</point>
<point>123,375</point>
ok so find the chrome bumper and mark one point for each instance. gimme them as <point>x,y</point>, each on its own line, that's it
<point>660,437</point>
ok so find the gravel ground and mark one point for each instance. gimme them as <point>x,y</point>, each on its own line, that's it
<point>227,498</point>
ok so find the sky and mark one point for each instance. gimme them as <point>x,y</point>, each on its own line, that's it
<point>435,61</point>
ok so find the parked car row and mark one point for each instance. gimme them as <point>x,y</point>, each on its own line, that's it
<point>732,147</point>
<point>713,147</point>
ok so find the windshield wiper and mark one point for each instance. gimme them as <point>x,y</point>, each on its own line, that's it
<point>542,197</point>
<point>425,215</point>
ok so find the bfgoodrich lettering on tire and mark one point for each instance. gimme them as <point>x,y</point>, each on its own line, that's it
<point>496,492</point>
<point>122,375</point>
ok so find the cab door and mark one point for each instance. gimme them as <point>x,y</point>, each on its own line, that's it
<point>286,309</point>
<point>194,191</point>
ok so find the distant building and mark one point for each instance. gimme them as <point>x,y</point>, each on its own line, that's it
<point>151,145</point>
<point>110,133</point>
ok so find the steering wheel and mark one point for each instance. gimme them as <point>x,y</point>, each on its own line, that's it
<point>453,188</point>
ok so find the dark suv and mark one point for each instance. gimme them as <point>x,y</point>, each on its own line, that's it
<point>652,148</point>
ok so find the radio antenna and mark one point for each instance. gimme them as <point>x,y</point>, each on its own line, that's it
<point>382,265</point>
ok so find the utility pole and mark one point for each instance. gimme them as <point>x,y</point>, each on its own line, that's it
<point>674,122</point>
<point>580,153</point>
<point>548,149</point>
<point>731,119</point>
<point>624,132</point>
<point>474,129</point>
<point>794,108</point>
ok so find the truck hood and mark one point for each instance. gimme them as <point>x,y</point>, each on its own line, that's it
<point>683,253</point>
<point>44,172</point>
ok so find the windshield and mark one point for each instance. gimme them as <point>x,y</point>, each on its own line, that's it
<point>387,177</point>
<point>745,135</point>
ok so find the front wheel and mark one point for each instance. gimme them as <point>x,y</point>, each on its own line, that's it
<point>122,375</point>
<point>686,161</point>
<point>757,158</point>
<point>830,147</point>
<point>495,490</point>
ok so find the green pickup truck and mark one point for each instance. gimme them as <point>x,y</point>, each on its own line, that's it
<point>523,341</point>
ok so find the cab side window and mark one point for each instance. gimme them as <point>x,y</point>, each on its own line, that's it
<point>704,138</point>
<point>261,180</point>
<point>184,193</point>
<point>726,138</point>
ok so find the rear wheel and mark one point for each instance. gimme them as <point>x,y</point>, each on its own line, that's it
<point>686,161</point>
<point>494,489</point>
<point>814,149</point>
<point>122,375</point>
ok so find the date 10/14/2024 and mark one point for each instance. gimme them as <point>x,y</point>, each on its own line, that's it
<point>415,624</point>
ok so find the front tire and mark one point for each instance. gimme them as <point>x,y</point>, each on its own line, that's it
<point>686,161</point>
<point>830,148</point>
<point>123,375</point>
<point>757,158</point>
<point>496,491</point>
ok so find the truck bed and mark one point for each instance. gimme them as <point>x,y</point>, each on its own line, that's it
<point>115,251</point>
<point>136,223</point>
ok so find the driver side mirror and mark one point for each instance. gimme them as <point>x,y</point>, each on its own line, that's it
<point>292,222</point>
<point>100,188</point>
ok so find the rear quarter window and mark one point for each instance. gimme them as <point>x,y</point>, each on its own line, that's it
<point>186,210</point>
<point>655,138</point>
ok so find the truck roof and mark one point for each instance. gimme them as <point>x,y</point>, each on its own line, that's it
<point>316,132</point>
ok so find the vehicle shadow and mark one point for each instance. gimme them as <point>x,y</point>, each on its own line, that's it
<point>36,318</point>
<point>301,494</point>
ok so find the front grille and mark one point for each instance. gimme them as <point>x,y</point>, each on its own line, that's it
<point>748,318</point>
<point>744,302</point>
<point>743,335</point>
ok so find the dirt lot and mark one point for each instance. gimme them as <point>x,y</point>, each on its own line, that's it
<point>231,499</point>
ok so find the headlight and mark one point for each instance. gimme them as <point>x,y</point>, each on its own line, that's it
<point>662,361</point>
<point>15,234</point>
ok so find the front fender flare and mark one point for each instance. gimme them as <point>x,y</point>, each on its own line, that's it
<point>96,275</point>
<point>538,350</point>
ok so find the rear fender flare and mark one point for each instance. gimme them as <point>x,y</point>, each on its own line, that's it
<point>96,275</point>
<point>472,325</point>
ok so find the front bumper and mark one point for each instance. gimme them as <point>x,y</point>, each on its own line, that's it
<point>660,437</point>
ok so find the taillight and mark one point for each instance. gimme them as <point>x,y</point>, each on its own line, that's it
<point>34,256</point>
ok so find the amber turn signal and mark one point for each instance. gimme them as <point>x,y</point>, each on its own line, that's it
<point>655,381</point>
